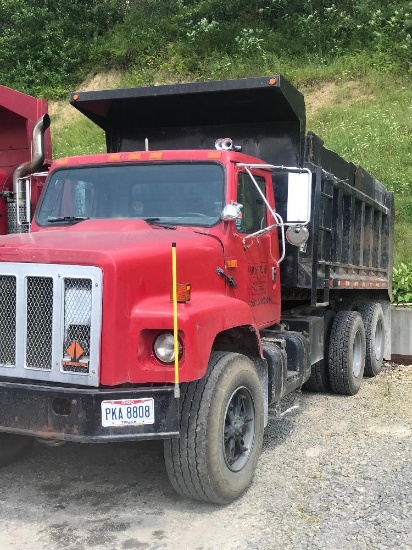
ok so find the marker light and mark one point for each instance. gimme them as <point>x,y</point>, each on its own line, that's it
<point>156,155</point>
<point>183,291</point>
<point>163,348</point>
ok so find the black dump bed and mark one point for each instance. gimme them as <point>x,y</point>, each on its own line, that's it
<point>268,120</point>
<point>352,213</point>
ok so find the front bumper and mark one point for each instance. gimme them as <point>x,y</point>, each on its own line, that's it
<point>74,414</point>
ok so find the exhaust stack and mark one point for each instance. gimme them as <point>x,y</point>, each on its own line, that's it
<point>18,209</point>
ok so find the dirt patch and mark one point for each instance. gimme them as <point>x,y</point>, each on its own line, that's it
<point>62,113</point>
<point>335,93</point>
<point>102,81</point>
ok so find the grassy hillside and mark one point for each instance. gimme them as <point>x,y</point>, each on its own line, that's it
<point>367,120</point>
<point>370,123</point>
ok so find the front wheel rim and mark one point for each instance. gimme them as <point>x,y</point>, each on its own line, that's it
<point>357,354</point>
<point>239,429</point>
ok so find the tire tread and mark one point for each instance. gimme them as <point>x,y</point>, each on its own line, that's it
<point>339,352</point>
<point>368,310</point>
<point>186,460</point>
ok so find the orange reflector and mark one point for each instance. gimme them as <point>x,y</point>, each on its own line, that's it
<point>272,81</point>
<point>75,96</point>
<point>183,291</point>
<point>231,263</point>
<point>114,156</point>
<point>62,161</point>
<point>135,156</point>
<point>214,155</point>
<point>156,155</point>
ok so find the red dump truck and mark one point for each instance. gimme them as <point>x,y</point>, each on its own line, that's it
<point>215,259</point>
<point>25,156</point>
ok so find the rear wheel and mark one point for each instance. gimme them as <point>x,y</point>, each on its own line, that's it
<point>347,352</point>
<point>374,322</point>
<point>221,432</point>
<point>13,446</point>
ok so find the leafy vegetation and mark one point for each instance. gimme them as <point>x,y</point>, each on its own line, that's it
<point>48,45</point>
<point>45,44</point>
<point>402,283</point>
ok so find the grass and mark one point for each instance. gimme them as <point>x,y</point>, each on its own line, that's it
<point>79,137</point>
<point>370,123</point>
<point>372,126</point>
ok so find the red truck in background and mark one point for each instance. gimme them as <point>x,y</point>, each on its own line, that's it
<point>25,150</point>
<point>281,279</point>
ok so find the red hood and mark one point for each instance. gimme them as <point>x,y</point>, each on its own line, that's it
<point>97,242</point>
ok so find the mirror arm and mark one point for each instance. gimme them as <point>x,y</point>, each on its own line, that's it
<point>278,219</point>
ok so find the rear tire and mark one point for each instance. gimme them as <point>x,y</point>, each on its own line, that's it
<point>13,446</point>
<point>347,351</point>
<point>221,432</point>
<point>374,323</point>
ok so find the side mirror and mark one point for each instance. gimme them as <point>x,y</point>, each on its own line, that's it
<point>299,197</point>
<point>232,211</point>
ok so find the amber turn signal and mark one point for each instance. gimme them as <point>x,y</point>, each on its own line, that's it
<point>182,292</point>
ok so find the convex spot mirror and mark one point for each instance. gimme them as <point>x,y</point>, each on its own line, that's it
<point>299,197</point>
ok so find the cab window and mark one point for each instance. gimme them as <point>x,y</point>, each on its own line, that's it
<point>254,209</point>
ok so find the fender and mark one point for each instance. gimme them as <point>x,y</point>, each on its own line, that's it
<point>199,321</point>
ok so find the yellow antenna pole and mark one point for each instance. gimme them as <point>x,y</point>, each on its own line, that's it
<point>175,327</point>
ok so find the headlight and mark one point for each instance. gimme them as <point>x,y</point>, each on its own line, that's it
<point>163,348</point>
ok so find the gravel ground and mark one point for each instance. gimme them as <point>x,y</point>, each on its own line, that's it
<point>336,472</point>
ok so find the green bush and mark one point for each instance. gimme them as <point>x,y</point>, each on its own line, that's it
<point>45,45</point>
<point>402,283</point>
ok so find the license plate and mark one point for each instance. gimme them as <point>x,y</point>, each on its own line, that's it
<point>127,412</point>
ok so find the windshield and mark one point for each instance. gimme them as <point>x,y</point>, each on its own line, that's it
<point>180,194</point>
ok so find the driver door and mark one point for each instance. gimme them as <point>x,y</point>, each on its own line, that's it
<point>257,273</point>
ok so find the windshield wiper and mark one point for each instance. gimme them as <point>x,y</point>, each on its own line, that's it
<point>68,219</point>
<point>157,221</point>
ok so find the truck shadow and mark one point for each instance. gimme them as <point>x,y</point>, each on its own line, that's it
<point>111,478</point>
<point>75,495</point>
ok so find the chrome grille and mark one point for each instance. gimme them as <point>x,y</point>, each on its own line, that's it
<point>77,312</point>
<point>39,322</point>
<point>50,322</point>
<point>7,320</point>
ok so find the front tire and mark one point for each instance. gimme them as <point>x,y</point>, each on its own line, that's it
<point>13,446</point>
<point>347,351</point>
<point>221,432</point>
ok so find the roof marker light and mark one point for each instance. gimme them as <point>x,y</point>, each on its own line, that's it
<point>214,155</point>
<point>156,155</point>
<point>135,156</point>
